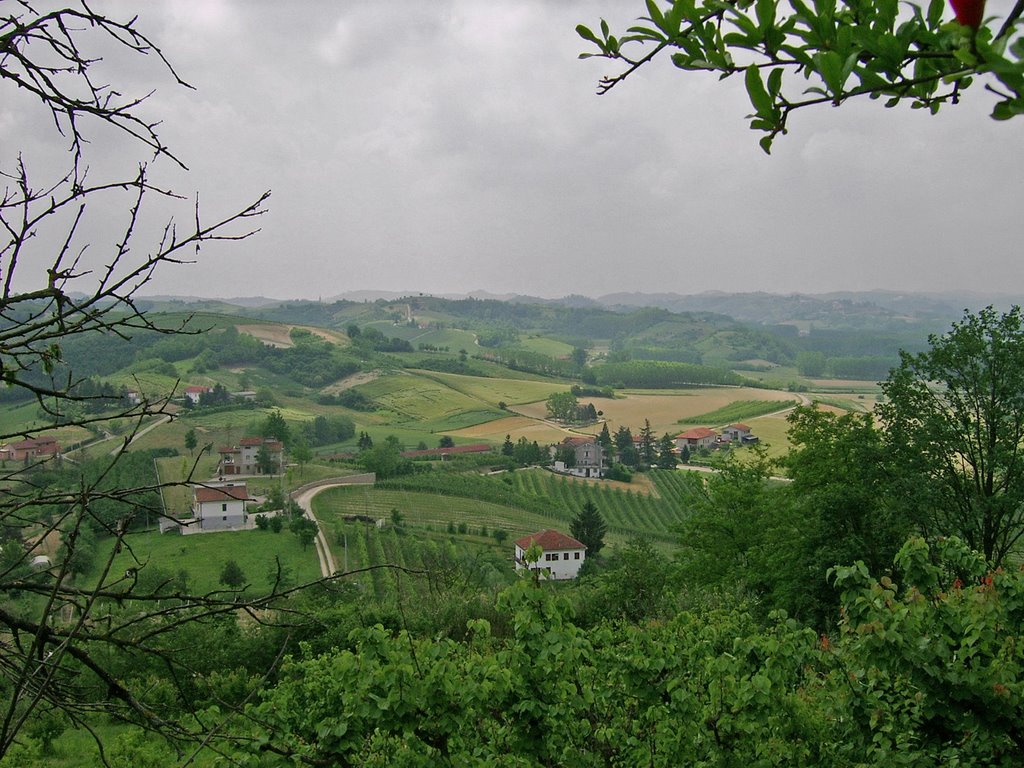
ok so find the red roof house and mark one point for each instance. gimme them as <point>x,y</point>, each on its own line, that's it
<point>698,437</point>
<point>561,555</point>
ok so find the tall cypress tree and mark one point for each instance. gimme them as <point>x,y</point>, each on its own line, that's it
<point>589,528</point>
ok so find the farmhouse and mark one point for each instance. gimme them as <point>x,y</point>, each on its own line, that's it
<point>243,459</point>
<point>193,393</point>
<point>588,457</point>
<point>219,508</point>
<point>561,558</point>
<point>740,433</point>
<point>27,450</point>
<point>698,437</point>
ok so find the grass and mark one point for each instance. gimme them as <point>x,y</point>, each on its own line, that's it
<point>452,338</point>
<point>429,402</point>
<point>424,509</point>
<point>545,346</point>
<point>739,410</point>
<point>203,556</point>
<point>494,391</point>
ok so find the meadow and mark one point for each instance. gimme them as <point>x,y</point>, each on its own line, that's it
<point>202,557</point>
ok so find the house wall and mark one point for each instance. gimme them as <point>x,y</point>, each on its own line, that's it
<point>559,564</point>
<point>221,515</point>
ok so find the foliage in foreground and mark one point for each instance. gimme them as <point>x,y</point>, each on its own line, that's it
<point>713,689</point>
<point>799,55</point>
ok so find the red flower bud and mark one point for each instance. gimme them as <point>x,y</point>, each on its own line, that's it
<point>969,12</point>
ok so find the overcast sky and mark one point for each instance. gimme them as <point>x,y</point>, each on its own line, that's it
<point>455,145</point>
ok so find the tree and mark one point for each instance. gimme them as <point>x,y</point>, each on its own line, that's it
<point>191,441</point>
<point>304,529</point>
<point>562,406</point>
<point>578,357</point>
<point>808,55</point>
<point>588,527</point>
<point>231,575</point>
<point>276,427</point>
<point>365,442</point>
<point>301,453</point>
<point>954,418</point>
<point>566,454</point>
<point>508,448</point>
<point>57,291</point>
<point>842,494</point>
<point>667,452</point>
<point>446,441</point>
<point>810,363</point>
<point>625,448</point>
<point>266,464</point>
<point>646,447</point>
<point>386,460</point>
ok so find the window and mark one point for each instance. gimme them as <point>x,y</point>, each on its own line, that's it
<point>565,556</point>
<point>224,507</point>
<point>575,555</point>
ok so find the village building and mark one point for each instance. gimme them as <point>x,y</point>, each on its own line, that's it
<point>588,453</point>
<point>218,508</point>
<point>696,438</point>
<point>35,448</point>
<point>561,557</point>
<point>739,433</point>
<point>243,459</point>
<point>193,393</point>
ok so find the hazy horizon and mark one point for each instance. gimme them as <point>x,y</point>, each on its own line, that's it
<point>455,146</point>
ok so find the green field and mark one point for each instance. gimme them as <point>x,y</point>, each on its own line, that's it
<point>739,410</point>
<point>428,402</point>
<point>494,391</point>
<point>202,557</point>
<point>545,346</point>
<point>519,502</point>
<point>453,338</point>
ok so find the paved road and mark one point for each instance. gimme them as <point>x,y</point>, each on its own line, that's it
<point>140,433</point>
<point>328,567</point>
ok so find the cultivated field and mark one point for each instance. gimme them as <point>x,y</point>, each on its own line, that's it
<point>494,391</point>
<point>277,335</point>
<point>515,427</point>
<point>664,409</point>
<point>430,403</point>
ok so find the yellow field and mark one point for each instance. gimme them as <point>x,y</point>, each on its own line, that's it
<point>516,427</point>
<point>275,335</point>
<point>664,409</point>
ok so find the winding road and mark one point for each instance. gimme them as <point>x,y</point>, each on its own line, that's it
<point>304,498</point>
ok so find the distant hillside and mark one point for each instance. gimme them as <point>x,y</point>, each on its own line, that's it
<point>848,309</point>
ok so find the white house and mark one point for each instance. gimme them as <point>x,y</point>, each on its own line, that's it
<point>220,508</point>
<point>193,393</point>
<point>561,555</point>
<point>589,457</point>
<point>243,459</point>
<point>740,433</point>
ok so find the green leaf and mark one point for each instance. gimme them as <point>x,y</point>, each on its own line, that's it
<point>759,97</point>
<point>765,14</point>
<point>586,34</point>
<point>655,15</point>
